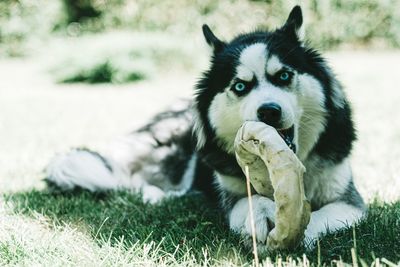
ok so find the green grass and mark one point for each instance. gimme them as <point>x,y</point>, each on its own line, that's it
<point>183,227</point>
<point>10,252</point>
<point>116,57</point>
<point>104,72</point>
<point>187,228</point>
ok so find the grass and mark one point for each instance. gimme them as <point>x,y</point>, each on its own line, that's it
<point>116,57</point>
<point>40,118</point>
<point>182,230</point>
<point>181,227</point>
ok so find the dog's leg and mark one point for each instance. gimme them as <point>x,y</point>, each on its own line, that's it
<point>331,217</point>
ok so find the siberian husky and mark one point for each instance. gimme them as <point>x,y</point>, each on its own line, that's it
<point>267,76</point>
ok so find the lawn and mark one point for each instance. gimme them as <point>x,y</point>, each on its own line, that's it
<point>39,118</point>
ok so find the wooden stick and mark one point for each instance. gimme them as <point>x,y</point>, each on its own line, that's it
<point>253,227</point>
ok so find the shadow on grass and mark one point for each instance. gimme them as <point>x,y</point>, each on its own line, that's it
<point>104,72</point>
<point>194,223</point>
<point>190,221</point>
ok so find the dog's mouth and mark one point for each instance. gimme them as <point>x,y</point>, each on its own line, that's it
<point>288,136</point>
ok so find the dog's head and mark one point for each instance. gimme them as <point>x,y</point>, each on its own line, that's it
<point>268,76</point>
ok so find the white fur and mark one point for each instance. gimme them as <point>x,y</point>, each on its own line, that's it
<point>130,150</point>
<point>253,58</point>
<point>239,218</point>
<point>268,93</point>
<point>227,113</point>
<point>83,169</point>
<point>198,130</point>
<point>312,113</point>
<point>152,194</point>
<point>225,118</point>
<point>274,65</point>
<point>338,96</point>
<point>325,182</point>
<point>331,217</point>
<point>244,73</point>
<point>231,184</point>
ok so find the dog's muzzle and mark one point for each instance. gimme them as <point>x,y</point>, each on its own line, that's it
<point>271,114</point>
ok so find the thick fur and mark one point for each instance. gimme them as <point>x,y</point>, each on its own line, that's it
<point>164,158</point>
<point>157,160</point>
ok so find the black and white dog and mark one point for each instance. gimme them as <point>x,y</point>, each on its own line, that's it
<point>268,76</point>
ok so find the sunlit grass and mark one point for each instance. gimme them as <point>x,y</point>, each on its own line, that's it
<point>180,231</point>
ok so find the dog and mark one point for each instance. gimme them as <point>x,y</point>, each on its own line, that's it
<point>267,76</point>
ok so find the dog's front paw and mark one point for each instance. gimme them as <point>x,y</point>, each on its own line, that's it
<point>152,194</point>
<point>264,217</point>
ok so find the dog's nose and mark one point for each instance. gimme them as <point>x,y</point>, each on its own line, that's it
<point>270,113</point>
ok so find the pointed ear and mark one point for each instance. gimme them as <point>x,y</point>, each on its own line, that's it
<point>212,40</point>
<point>294,23</point>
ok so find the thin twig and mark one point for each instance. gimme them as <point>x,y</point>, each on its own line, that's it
<point>253,227</point>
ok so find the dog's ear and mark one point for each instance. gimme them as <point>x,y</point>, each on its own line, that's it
<point>294,23</point>
<point>212,40</point>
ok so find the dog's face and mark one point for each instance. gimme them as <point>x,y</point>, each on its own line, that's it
<point>263,76</point>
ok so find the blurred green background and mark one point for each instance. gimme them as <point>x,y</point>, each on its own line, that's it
<point>130,40</point>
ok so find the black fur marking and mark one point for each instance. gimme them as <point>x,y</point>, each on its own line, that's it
<point>248,86</point>
<point>352,197</point>
<point>336,142</point>
<point>276,79</point>
<point>221,161</point>
<point>175,165</point>
<point>228,200</point>
<point>52,186</point>
<point>294,22</point>
<point>212,40</point>
<point>104,160</point>
<point>151,127</point>
<point>204,180</point>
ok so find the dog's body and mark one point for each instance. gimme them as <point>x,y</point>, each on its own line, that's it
<point>261,76</point>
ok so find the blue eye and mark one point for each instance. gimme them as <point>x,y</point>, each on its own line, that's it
<point>240,87</point>
<point>284,76</point>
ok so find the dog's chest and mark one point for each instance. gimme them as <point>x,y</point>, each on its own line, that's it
<point>325,181</point>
